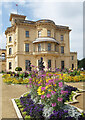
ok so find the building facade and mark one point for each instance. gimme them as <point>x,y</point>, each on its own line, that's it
<point>31,40</point>
<point>2,60</point>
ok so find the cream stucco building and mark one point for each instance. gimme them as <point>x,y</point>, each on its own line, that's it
<point>2,60</point>
<point>31,40</point>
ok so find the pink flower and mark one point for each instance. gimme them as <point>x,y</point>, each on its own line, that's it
<point>43,88</point>
<point>30,78</point>
<point>60,99</point>
<point>29,81</point>
<point>48,95</point>
<point>42,96</point>
<point>63,92</point>
<point>53,92</point>
<point>53,104</point>
<point>60,84</point>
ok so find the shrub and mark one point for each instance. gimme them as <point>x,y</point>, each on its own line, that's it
<point>18,69</point>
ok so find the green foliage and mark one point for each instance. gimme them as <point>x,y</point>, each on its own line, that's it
<point>22,109</point>
<point>81,63</point>
<point>24,113</point>
<point>18,69</point>
<point>27,117</point>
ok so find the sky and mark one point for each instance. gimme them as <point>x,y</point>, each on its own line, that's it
<point>62,13</point>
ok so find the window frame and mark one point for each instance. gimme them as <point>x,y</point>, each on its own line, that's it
<point>10,65</point>
<point>72,57</point>
<point>10,52</point>
<point>27,34</point>
<point>49,60</point>
<point>26,63</point>
<point>39,47</point>
<point>62,65</point>
<point>62,37</point>
<point>49,33</point>
<point>49,46</point>
<point>62,49</point>
<point>39,33</point>
<point>10,39</point>
<point>26,47</point>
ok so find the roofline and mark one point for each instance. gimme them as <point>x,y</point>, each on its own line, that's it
<point>17,15</point>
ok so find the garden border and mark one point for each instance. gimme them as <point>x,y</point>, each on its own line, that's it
<point>20,116</point>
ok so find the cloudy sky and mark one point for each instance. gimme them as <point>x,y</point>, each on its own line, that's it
<point>62,13</point>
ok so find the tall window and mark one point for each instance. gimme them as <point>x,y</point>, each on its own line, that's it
<point>26,64</point>
<point>48,33</point>
<point>49,63</point>
<point>62,49</point>
<point>72,66</point>
<point>39,33</point>
<point>62,37</point>
<point>39,47</point>
<point>49,46</point>
<point>62,64</point>
<point>10,39</point>
<point>10,65</point>
<point>3,56</point>
<point>10,51</point>
<point>27,33</point>
<point>55,47</point>
<point>27,47</point>
<point>72,57</point>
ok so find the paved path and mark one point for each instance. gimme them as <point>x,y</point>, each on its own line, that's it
<point>81,98</point>
<point>9,92</point>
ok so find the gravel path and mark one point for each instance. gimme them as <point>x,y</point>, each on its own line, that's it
<point>9,92</point>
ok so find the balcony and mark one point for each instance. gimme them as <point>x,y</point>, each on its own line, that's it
<point>45,39</point>
<point>55,53</point>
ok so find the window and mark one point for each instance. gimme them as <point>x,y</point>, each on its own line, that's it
<point>49,46</point>
<point>55,47</point>
<point>26,64</point>
<point>27,47</point>
<point>27,33</point>
<point>72,57</point>
<point>49,63</point>
<point>72,66</point>
<point>39,33</point>
<point>10,39</point>
<point>10,51</point>
<point>62,49</point>
<point>62,64</point>
<point>3,56</point>
<point>48,33</point>
<point>10,65</point>
<point>39,47</point>
<point>61,37</point>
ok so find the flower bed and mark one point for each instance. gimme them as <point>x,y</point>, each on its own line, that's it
<point>23,78</point>
<point>31,110</point>
<point>47,98</point>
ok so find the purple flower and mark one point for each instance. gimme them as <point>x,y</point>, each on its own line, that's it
<point>60,99</point>
<point>60,84</point>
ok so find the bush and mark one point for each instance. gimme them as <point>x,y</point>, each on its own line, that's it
<point>18,69</point>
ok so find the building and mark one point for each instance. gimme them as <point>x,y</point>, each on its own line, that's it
<point>31,40</point>
<point>2,60</point>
